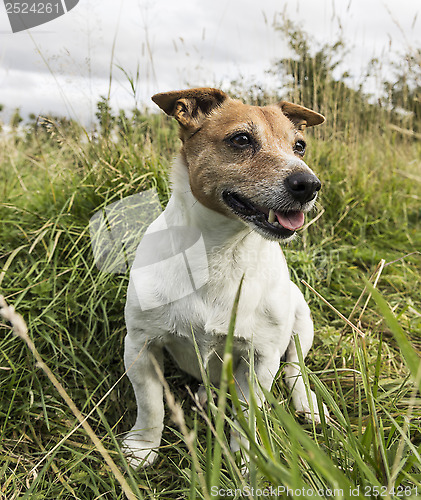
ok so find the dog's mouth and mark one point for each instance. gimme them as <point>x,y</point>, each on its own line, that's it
<point>273,223</point>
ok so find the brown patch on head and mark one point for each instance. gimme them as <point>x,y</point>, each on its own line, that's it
<point>228,145</point>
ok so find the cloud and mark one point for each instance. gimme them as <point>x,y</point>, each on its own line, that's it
<point>64,66</point>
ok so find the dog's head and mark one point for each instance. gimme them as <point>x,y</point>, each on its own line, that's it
<point>246,161</point>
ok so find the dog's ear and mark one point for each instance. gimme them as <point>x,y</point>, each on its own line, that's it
<point>299,115</point>
<point>190,107</point>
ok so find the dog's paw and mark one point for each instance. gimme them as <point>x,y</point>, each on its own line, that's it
<point>310,411</point>
<point>139,453</point>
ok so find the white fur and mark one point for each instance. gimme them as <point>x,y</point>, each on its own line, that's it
<point>271,309</point>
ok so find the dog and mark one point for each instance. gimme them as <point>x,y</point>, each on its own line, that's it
<point>239,188</point>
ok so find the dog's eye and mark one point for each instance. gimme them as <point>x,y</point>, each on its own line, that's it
<point>300,147</point>
<point>240,140</point>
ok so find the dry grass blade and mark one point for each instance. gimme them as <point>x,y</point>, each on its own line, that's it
<point>379,271</point>
<point>67,436</point>
<point>362,334</point>
<point>178,418</point>
<point>404,131</point>
<point>380,266</point>
<point>312,221</point>
<point>21,330</point>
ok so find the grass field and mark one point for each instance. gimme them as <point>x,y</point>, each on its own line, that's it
<point>55,178</point>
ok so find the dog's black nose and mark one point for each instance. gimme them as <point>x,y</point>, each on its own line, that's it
<point>303,186</point>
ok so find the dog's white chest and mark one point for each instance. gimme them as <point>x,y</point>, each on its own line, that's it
<point>200,322</point>
<point>263,315</point>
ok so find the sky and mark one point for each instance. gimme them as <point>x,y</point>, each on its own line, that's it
<point>106,47</point>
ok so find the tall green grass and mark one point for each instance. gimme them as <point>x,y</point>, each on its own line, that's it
<point>56,177</point>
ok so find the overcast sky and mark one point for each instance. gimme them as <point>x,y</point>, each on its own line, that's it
<point>64,66</point>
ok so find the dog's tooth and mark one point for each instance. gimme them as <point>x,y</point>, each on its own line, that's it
<point>271,217</point>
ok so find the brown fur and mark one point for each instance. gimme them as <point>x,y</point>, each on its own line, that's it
<point>208,117</point>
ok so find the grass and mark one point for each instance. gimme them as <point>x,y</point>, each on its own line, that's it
<point>55,178</point>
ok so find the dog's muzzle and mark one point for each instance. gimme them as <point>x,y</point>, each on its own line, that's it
<point>277,220</point>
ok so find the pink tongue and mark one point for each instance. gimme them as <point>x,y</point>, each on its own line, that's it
<point>291,221</point>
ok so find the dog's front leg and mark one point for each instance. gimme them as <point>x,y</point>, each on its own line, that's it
<point>265,369</point>
<point>304,400</point>
<point>145,436</point>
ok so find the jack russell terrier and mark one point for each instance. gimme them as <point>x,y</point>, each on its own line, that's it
<point>239,188</point>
